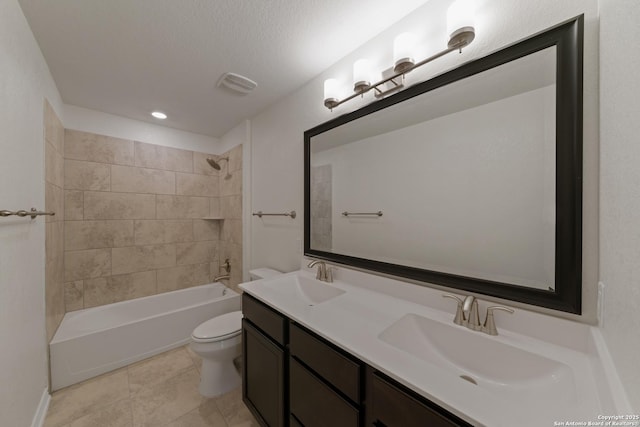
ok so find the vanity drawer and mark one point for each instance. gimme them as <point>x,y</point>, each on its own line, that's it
<point>265,318</point>
<point>329,363</point>
<point>315,404</point>
<point>391,406</point>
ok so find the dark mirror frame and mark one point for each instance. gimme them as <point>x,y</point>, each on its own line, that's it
<point>567,296</point>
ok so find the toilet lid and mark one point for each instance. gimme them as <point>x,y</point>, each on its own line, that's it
<point>220,327</point>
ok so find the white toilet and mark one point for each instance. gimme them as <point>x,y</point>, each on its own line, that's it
<point>218,342</point>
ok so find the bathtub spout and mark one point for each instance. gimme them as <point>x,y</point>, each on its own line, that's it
<point>224,276</point>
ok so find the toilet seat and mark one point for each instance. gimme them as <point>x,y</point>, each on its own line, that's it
<point>219,328</point>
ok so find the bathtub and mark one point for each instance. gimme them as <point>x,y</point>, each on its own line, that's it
<point>96,340</point>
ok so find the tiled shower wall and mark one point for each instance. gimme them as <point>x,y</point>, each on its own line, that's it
<point>54,226</point>
<point>321,183</point>
<point>134,219</point>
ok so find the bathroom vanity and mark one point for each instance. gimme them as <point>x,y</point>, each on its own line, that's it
<point>372,351</point>
<point>295,377</point>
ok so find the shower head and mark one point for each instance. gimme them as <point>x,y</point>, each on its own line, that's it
<point>216,164</point>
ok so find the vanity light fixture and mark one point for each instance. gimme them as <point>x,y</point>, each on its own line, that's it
<point>159,115</point>
<point>461,31</point>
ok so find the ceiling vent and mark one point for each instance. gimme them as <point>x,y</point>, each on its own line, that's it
<point>238,84</point>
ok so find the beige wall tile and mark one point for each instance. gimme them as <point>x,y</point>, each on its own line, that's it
<point>107,290</point>
<point>98,205</point>
<point>182,207</point>
<point>231,207</point>
<point>183,276</point>
<point>53,202</point>
<point>206,229</point>
<point>201,166</point>
<point>78,400</point>
<point>73,205</point>
<point>235,158</point>
<point>231,231</point>
<point>74,295</point>
<point>87,264</point>
<point>53,129</point>
<point>97,148</point>
<point>80,175</point>
<point>233,251</point>
<point>53,165</point>
<point>196,185</point>
<point>196,253</point>
<point>166,158</point>
<point>231,186</point>
<point>143,258</point>
<point>98,234</point>
<point>151,232</point>
<point>128,179</point>
<point>54,280</point>
<point>214,207</point>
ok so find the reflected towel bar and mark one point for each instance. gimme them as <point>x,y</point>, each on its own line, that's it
<point>345,213</point>
<point>260,214</point>
<point>32,213</point>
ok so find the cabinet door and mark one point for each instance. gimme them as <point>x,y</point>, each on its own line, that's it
<point>314,404</point>
<point>263,376</point>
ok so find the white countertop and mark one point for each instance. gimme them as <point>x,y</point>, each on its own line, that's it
<point>354,320</point>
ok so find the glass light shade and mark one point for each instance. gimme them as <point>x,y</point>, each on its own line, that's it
<point>460,15</point>
<point>361,75</point>
<point>403,51</point>
<point>330,93</point>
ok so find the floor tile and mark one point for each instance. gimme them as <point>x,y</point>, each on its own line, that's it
<point>81,399</point>
<point>234,410</point>
<point>115,415</point>
<point>197,360</point>
<point>159,368</point>
<point>206,415</point>
<point>164,402</point>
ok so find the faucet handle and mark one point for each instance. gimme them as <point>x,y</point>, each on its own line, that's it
<point>489,326</point>
<point>328,275</point>
<point>459,319</point>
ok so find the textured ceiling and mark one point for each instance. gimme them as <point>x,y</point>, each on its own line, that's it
<point>129,57</point>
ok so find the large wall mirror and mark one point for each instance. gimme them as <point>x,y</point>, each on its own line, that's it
<point>471,180</point>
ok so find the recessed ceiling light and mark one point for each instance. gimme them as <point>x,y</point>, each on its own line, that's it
<point>159,115</point>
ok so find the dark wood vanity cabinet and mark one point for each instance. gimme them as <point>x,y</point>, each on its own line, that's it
<point>324,382</point>
<point>390,404</point>
<point>264,358</point>
<point>292,377</point>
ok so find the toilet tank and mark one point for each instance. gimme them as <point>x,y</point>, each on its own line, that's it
<point>263,273</point>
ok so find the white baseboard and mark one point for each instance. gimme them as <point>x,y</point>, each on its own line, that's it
<point>41,412</point>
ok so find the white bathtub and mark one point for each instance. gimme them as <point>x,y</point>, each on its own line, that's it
<point>96,340</point>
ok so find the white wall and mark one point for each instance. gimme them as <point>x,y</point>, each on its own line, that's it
<point>277,172</point>
<point>620,187</point>
<point>413,175</point>
<point>86,120</point>
<point>24,83</point>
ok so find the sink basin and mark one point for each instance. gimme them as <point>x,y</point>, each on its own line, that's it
<point>482,360</point>
<point>307,290</point>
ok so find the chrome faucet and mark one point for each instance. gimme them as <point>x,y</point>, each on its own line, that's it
<point>467,315</point>
<point>324,272</point>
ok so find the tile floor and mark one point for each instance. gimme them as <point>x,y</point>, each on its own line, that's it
<point>160,391</point>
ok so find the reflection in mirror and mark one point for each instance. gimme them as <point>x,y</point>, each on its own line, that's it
<point>470,180</point>
<point>465,176</point>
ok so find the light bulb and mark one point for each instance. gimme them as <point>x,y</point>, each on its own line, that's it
<point>403,51</point>
<point>159,115</point>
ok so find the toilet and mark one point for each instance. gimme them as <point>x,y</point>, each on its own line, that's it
<point>218,342</point>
